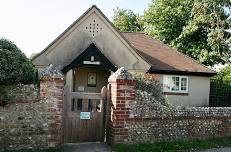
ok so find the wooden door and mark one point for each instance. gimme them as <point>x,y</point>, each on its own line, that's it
<point>83,118</point>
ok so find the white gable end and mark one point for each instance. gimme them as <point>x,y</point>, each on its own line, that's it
<point>93,27</point>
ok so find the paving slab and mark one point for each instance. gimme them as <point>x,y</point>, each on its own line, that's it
<point>87,147</point>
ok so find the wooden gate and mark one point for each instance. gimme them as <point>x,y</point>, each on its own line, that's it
<point>83,117</point>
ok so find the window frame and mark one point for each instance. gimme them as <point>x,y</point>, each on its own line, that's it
<point>165,78</point>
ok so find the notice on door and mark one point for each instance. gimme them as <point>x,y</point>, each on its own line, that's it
<point>85,115</point>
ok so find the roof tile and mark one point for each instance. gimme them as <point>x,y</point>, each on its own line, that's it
<point>161,56</point>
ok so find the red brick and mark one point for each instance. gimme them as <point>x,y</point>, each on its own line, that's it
<point>120,91</point>
<point>120,105</point>
<point>123,130</point>
<point>120,98</point>
<point>130,98</point>
<point>121,133</point>
<point>120,101</point>
<point>119,119</point>
<point>124,109</point>
<point>122,115</point>
<point>120,112</point>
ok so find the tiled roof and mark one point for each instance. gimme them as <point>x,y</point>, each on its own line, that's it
<point>163,58</point>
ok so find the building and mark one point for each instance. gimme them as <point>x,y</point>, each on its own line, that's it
<point>91,49</point>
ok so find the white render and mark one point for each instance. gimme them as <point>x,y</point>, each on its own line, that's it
<point>198,92</point>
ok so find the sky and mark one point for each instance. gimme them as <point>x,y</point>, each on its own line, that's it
<point>34,24</point>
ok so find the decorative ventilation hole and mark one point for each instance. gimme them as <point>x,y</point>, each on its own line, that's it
<point>94,28</point>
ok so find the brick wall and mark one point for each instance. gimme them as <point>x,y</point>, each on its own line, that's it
<point>137,121</point>
<point>122,89</point>
<point>51,91</point>
<point>33,121</point>
<point>122,93</point>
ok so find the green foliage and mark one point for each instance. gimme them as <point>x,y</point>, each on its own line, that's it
<point>175,146</point>
<point>194,27</point>
<point>204,37</point>
<point>224,75</point>
<point>15,67</point>
<point>165,19</point>
<point>127,20</point>
<point>5,97</point>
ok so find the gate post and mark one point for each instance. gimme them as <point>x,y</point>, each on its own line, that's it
<point>122,95</point>
<point>51,91</point>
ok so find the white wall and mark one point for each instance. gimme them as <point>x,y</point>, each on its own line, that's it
<point>198,92</point>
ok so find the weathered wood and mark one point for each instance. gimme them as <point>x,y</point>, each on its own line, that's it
<point>77,130</point>
<point>85,95</point>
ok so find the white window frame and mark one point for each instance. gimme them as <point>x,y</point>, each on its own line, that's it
<point>166,83</point>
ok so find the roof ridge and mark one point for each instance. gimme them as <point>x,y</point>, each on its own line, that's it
<point>141,32</point>
<point>175,50</point>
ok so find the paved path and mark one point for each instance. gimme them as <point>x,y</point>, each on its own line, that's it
<point>217,150</point>
<point>87,147</point>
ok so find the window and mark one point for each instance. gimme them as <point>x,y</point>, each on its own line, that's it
<point>177,84</point>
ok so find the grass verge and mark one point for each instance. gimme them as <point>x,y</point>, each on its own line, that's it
<point>176,146</point>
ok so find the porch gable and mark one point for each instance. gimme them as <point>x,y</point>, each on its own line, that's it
<point>91,57</point>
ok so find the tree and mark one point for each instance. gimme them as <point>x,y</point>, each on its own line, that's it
<point>15,67</point>
<point>194,27</point>
<point>127,20</point>
<point>165,19</point>
<point>224,75</point>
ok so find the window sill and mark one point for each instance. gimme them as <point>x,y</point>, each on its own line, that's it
<point>176,93</point>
